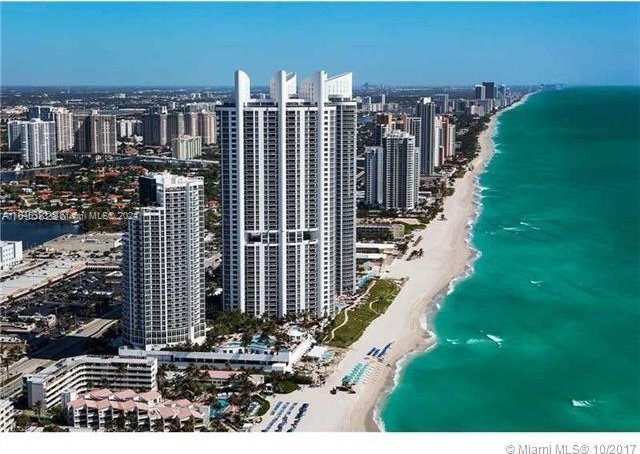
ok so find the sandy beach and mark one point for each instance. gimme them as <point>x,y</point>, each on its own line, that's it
<point>447,256</point>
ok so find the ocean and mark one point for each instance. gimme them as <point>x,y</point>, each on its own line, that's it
<point>545,333</point>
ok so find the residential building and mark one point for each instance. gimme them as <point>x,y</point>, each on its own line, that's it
<point>489,90</point>
<point>442,103</point>
<point>175,126</point>
<point>36,139</point>
<point>480,92</point>
<point>163,264</point>
<point>10,254</point>
<point>7,421</point>
<point>186,147</point>
<point>393,178</point>
<point>147,411</point>
<point>154,126</point>
<point>284,202</point>
<point>81,373</point>
<point>44,113</point>
<point>373,176</point>
<point>95,133</point>
<point>64,129</point>
<point>129,128</point>
<point>207,127</point>
<point>426,110</point>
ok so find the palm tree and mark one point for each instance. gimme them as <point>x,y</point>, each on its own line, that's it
<point>174,425</point>
<point>158,425</point>
<point>188,425</point>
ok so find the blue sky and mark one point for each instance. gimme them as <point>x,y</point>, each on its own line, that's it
<point>402,44</point>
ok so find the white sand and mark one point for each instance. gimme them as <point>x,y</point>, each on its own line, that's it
<point>446,256</point>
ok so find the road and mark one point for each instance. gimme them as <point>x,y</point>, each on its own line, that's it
<point>72,344</point>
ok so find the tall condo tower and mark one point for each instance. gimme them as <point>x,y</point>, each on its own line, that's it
<point>392,179</point>
<point>287,208</point>
<point>36,139</point>
<point>163,264</point>
<point>426,110</point>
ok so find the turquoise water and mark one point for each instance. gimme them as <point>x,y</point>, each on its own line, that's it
<point>545,335</point>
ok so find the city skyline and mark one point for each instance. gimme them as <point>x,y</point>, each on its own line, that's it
<point>557,43</point>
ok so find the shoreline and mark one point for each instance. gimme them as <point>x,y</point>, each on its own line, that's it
<point>448,259</point>
<point>487,145</point>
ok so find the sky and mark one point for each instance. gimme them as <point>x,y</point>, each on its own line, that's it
<point>202,44</point>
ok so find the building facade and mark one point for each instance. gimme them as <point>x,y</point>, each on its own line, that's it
<point>393,178</point>
<point>7,421</point>
<point>95,133</point>
<point>36,139</point>
<point>283,200</point>
<point>10,254</point>
<point>175,126</point>
<point>186,147</point>
<point>426,110</point>
<point>154,126</point>
<point>163,264</point>
<point>103,409</point>
<point>81,373</point>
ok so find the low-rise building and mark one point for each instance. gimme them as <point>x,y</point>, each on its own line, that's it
<point>231,355</point>
<point>103,408</point>
<point>10,254</point>
<point>7,421</point>
<point>81,373</point>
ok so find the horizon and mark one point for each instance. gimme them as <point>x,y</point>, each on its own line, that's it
<point>145,44</point>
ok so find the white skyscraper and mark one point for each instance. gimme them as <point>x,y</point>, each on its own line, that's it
<point>392,178</point>
<point>36,139</point>
<point>163,264</point>
<point>286,207</point>
<point>64,128</point>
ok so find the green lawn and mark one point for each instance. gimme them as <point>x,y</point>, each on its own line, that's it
<point>286,387</point>
<point>409,228</point>
<point>380,298</point>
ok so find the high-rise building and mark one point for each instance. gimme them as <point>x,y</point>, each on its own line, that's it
<point>207,127</point>
<point>154,126</point>
<point>64,128</point>
<point>438,154</point>
<point>480,92</point>
<point>489,90</point>
<point>175,126</point>
<point>442,103</point>
<point>128,127</point>
<point>36,139</point>
<point>284,202</point>
<point>392,179</point>
<point>191,123</point>
<point>426,110</point>
<point>373,176</point>
<point>44,113</point>
<point>186,147</point>
<point>413,126</point>
<point>448,139</point>
<point>384,123</point>
<point>95,133</point>
<point>163,264</point>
